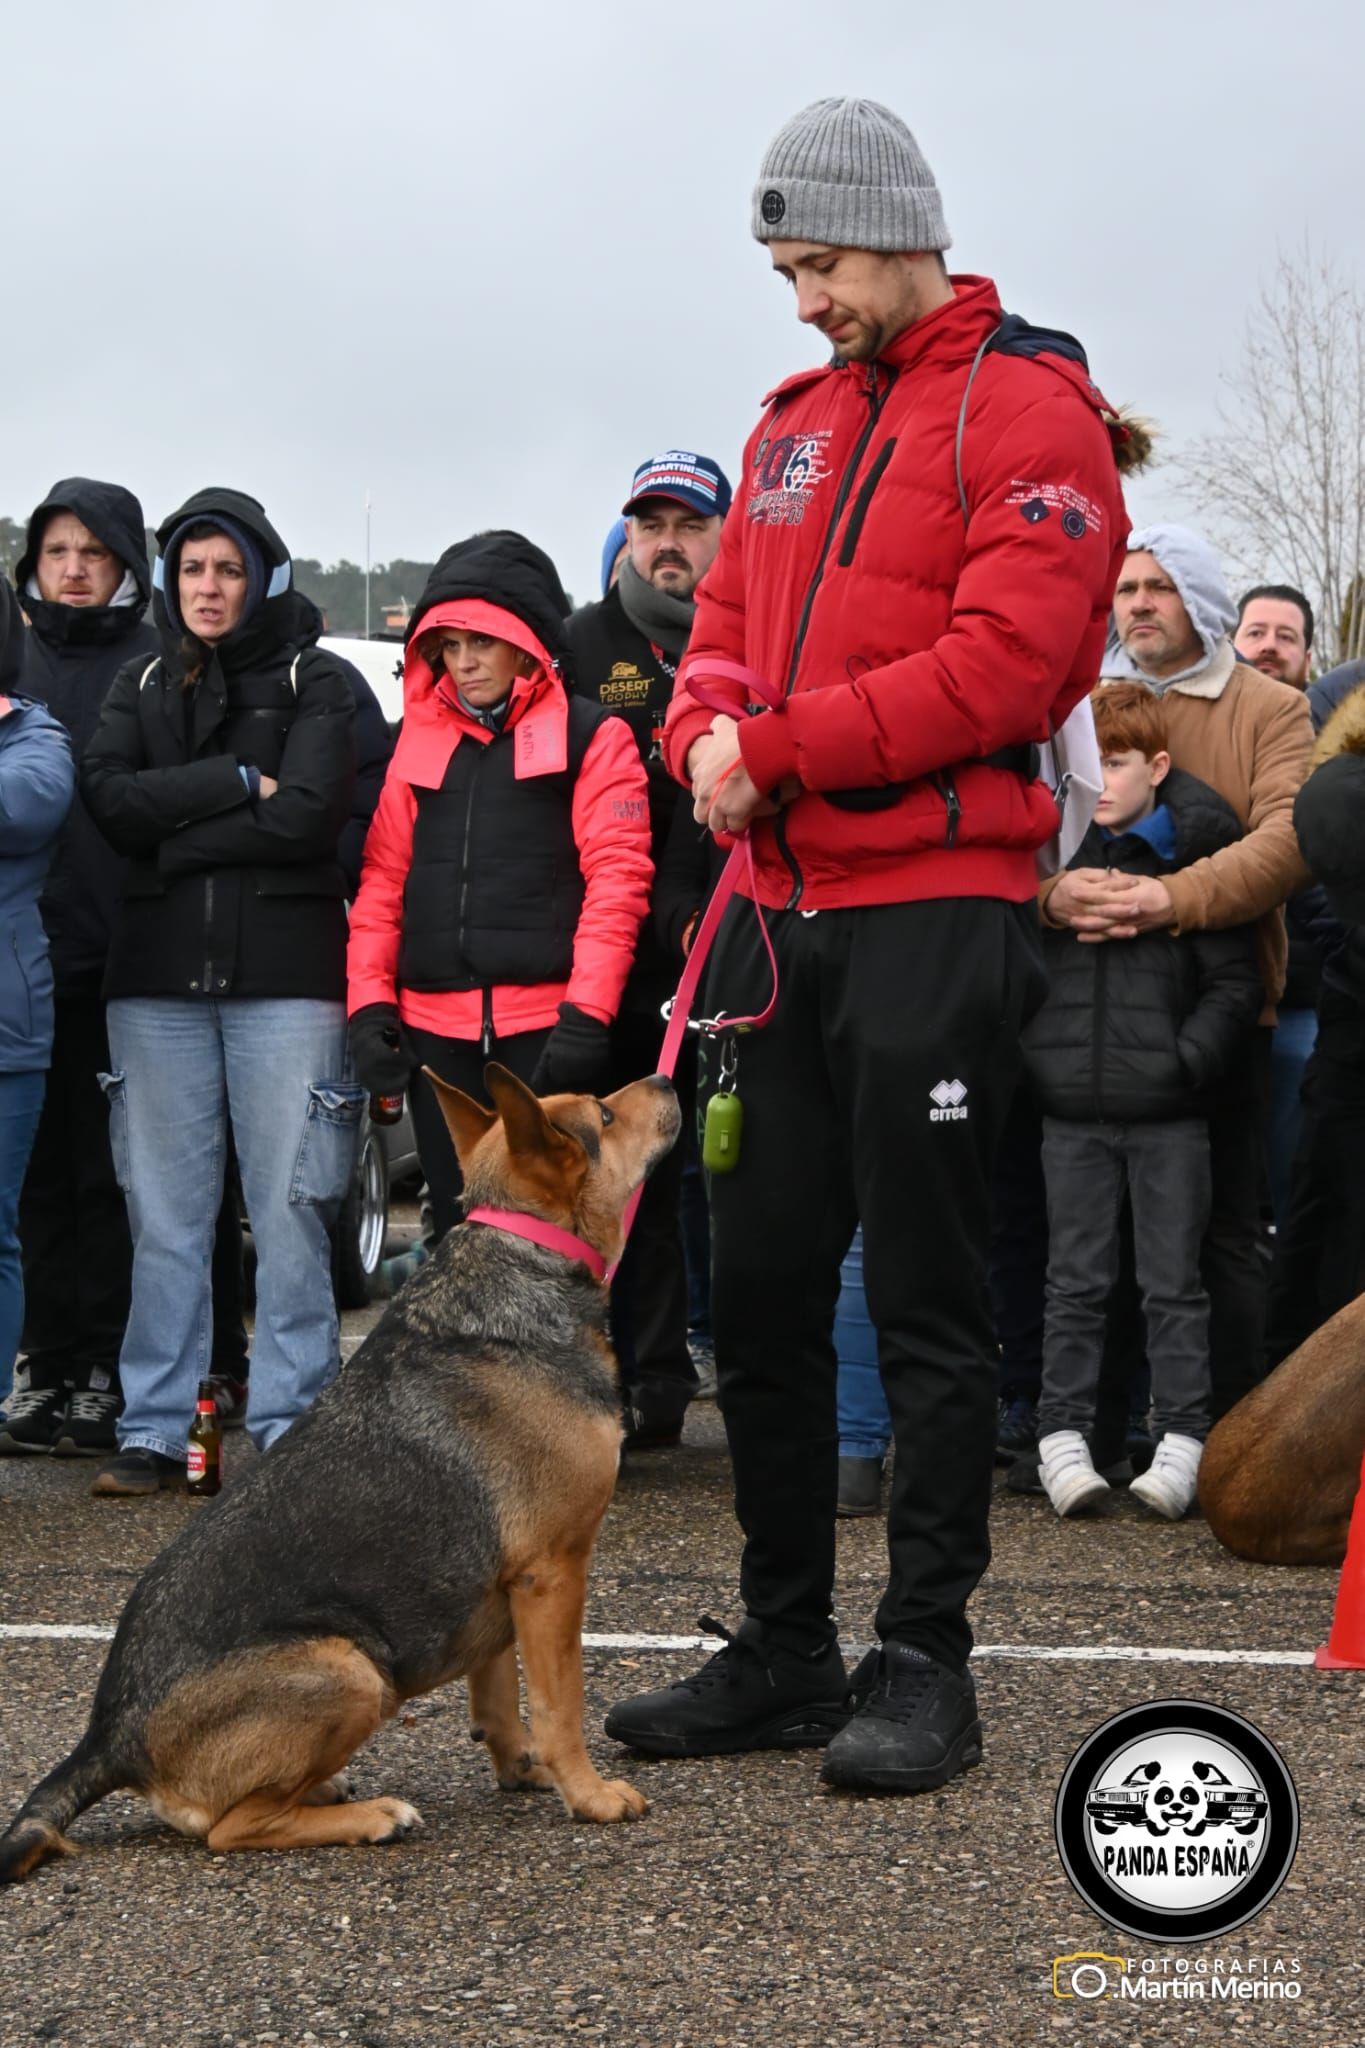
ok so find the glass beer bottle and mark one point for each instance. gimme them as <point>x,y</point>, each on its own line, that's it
<point>204,1461</point>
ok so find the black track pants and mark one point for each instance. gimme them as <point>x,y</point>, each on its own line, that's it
<point>73,1222</point>
<point>877,1094</point>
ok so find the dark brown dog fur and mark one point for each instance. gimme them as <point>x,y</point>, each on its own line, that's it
<point>1279,1473</point>
<point>433,1517</point>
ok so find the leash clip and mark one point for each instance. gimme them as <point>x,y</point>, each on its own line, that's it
<point>718,1026</point>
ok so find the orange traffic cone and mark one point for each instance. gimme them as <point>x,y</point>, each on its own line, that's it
<point>1345,1648</point>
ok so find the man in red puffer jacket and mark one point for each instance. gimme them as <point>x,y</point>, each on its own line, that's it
<point>921,556</point>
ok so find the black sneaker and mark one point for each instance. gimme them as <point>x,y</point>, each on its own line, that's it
<point>86,1429</point>
<point>35,1415</point>
<point>229,1398</point>
<point>860,1488</point>
<point>751,1695</point>
<point>652,1419</point>
<point>137,1471</point>
<point>915,1728</point>
<point>1016,1430</point>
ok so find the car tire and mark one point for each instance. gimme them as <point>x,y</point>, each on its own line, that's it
<point>363,1225</point>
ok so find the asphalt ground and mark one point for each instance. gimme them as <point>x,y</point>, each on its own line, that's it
<point>750,1906</point>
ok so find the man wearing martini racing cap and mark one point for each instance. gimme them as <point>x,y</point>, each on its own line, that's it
<point>920,559</point>
<point>626,652</point>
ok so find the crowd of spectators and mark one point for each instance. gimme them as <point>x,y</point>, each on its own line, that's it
<point>1140,1184</point>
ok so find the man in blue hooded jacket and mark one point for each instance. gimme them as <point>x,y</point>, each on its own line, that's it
<point>84,582</point>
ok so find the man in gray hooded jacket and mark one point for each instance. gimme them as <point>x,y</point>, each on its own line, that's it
<point>1248,736</point>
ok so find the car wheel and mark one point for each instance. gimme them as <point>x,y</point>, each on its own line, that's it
<point>363,1225</point>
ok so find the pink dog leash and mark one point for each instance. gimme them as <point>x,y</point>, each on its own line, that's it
<point>740,863</point>
<point>516,1222</point>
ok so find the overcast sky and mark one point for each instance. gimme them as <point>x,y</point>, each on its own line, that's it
<point>482,259</point>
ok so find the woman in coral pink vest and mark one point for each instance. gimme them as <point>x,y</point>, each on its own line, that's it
<point>507,869</point>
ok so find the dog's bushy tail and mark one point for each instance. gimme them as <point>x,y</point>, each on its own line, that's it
<point>35,1833</point>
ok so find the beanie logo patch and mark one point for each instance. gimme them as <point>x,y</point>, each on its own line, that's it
<point>772,206</point>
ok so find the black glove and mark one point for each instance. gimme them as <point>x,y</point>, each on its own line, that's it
<point>384,1059</point>
<point>575,1059</point>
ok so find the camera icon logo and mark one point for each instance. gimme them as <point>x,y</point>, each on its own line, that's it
<point>1087,1974</point>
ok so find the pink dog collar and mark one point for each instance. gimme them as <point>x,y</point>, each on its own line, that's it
<point>517,1224</point>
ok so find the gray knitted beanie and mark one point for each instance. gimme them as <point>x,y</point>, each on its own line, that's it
<point>850,173</point>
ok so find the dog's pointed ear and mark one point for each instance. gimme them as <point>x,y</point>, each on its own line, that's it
<point>466,1120</point>
<point>525,1125</point>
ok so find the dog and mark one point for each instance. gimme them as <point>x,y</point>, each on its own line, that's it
<point>431,1518</point>
<point>1279,1474</point>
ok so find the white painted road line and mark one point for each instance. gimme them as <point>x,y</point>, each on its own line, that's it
<point>1041,1653</point>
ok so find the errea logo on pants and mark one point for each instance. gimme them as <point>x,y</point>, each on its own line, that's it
<point>950,1102</point>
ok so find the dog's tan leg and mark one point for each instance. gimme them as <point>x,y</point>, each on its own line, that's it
<point>249,1753</point>
<point>262,1822</point>
<point>547,1604</point>
<point>495,1719</point>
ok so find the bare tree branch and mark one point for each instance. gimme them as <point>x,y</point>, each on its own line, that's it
<point>1281,483</point>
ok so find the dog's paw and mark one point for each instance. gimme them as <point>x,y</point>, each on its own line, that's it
<point>396,1819</point>
<point>331,1792</point>
<point>524,1773</point>
<point>613,1800</point>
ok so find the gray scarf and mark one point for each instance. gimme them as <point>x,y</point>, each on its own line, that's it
<point>653,612</point>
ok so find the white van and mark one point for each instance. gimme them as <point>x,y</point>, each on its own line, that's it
<point>381,664</point>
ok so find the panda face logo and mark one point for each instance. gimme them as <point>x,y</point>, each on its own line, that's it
<point>1173,1804</point>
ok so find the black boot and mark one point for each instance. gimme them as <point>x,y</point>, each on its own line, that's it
<point>915,1726</point>
<point>753,1694</point>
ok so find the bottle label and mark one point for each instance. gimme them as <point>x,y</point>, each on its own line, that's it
<point>196,1462</point>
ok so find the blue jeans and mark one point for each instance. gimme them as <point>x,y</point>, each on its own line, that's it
<point>1289,1049</point>
<point>278,1068</point>
<point>21,1101</point>
<point>864,1416</point>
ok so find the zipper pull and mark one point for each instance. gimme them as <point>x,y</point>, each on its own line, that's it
<point>486,1038</point>
<point>952,803</point>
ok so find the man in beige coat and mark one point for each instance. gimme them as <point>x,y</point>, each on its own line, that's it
<point>1249,737</point>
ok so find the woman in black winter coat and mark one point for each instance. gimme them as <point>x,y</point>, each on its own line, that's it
<point>223,769</point>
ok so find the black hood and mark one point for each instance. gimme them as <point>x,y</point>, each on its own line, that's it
<point>1016,336</point>
<point>113,516</point>
<point>1205,822</point>
<point>284,617</point>
<point>12,630</point>
<point>505,569</point>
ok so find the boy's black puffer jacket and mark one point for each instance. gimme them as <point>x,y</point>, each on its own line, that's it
<point>1140,1030</point>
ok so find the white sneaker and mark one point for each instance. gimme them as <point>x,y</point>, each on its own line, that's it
<point>1070,1480</point>
<point>1172,1479</point>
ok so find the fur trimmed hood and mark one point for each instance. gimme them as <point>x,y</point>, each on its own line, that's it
<point>1344,732</point>
<point>1329,810</point>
